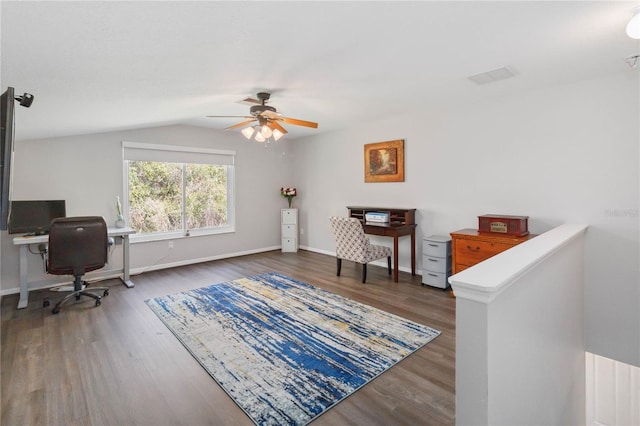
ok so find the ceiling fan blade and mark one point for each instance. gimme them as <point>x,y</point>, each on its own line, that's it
<point>230,116</point>
<point>275,125</point>
<point>244,123</point>
<point>299,122</point>
<point>253,101</point>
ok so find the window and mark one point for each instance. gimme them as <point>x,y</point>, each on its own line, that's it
<point>173,190</point>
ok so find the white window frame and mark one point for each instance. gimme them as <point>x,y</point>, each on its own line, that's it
<point>136,151</point>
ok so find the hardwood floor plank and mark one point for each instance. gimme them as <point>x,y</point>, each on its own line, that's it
<point>118,364</point>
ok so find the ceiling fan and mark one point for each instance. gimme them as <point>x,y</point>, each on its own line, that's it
<point>267,119</point>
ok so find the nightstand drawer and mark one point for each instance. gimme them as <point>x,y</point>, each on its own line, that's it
<point>436,246</point>
<point>289,216</point>
<point>435,279</point>
<point>289,231</point>
<point>289,245</point>
<point>436,264</point>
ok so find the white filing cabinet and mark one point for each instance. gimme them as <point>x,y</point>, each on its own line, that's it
<point>436,260</point>
<point>289,230</point>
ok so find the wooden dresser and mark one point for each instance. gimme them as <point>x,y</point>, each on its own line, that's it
<point>468,247</point>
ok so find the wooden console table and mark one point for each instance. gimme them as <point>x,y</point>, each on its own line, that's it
<point>401,222</point>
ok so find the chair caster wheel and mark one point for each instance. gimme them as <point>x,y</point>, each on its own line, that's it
<point>55,310</point>
<point>106,293</point>
<point>98,302</point>
<point>45,303</point>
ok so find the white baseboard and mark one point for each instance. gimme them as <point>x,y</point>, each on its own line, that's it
<point>382,263</point>
<point>63,280</point>
<point>103,275</point>
<point>136,271</point>
<point>315,250</point>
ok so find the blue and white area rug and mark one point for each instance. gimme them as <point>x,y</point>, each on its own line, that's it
<point>284,350</point>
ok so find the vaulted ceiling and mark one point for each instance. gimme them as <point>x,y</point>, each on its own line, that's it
<point>102,66</point>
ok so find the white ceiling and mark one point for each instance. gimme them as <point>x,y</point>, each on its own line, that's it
<point>102,66</point>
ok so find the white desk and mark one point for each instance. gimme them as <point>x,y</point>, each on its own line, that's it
<point>24,242</point>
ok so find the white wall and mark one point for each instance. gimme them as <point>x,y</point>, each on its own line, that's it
<point>86,171</point>
<point>563,154</point>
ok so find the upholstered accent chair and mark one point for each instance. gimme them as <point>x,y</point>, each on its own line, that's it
<point>353,244</point>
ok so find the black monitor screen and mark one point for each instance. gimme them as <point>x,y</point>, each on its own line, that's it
<point>34,217</point>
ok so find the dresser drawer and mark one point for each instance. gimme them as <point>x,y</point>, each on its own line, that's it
<point>436,264</point>
<point>289,245</point>
<point>289,231</point>
<point>289,216</point>
<point>435,279</point>
<point>470,252</point>
<point>436,248</point>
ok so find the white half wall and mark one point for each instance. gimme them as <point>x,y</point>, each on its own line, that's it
<point>520,334</point>
<point>564,154</point>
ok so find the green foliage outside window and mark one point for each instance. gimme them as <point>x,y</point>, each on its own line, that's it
<point>157,201</point>
<point>206,196</point>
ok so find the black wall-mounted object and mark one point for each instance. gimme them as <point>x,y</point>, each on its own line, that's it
<point>6,153</point>
<point>7,117</point>
<point>25,100</point>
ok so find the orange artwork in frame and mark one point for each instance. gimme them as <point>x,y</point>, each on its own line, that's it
<point>384,161</point>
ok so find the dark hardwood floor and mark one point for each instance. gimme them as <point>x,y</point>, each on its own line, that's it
<point>117,364</point>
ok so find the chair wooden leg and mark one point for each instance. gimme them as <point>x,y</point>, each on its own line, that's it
<point>364,272</point>
<point>389,264</point>
<point>339,265</point>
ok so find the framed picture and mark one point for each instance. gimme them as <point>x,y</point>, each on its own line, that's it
<point>384,161</point>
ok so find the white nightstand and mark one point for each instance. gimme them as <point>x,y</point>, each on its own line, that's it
<point>289,230</point>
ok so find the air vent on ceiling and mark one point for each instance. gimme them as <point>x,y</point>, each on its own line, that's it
<point>498,74</point>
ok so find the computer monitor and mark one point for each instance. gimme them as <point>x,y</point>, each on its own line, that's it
<point>34,216</point>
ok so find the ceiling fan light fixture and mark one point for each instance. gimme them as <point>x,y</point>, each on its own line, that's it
<point>633,27</point>
<point>248,132</point>
<point>266,131</point>
<point>263,121</point>
<point>277,134</point>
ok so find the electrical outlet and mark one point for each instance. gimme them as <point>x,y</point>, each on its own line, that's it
<point>170,245</point>
<point>301,231</point>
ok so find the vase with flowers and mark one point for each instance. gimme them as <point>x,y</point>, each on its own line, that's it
<point>288,193</point>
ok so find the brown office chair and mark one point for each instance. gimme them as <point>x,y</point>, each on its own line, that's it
<point>352,244</point>
<point>78,245</point>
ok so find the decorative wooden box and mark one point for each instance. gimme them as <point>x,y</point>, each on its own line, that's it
<point>517,226</point>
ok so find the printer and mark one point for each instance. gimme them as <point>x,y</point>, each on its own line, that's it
<point>378,217</point>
